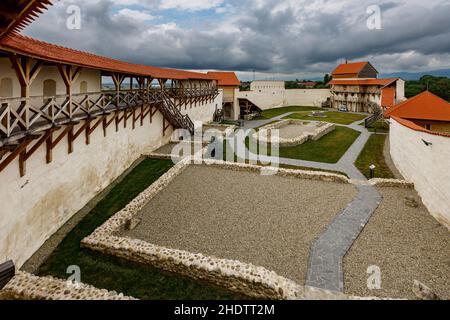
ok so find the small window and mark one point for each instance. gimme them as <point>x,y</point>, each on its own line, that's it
<point>49,89</point>
<point>83,87</point>
<point>6,88</point>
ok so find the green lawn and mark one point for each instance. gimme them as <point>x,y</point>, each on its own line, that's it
<point>110,273</point>
<point>373,154</point>
<point>328,149</point>
<point>332,116</point>
<point>380,126</point>
<point>272,113</point>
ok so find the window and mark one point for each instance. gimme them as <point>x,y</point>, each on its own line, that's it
<point>83,87</point>
<point>6,88</point>
<point>49,89</point>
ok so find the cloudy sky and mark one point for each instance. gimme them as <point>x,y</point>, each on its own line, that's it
<point>277,39</point>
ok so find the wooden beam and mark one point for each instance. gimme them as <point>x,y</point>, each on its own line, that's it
<point>165,127</point>
<point>152,113</point>
<point>49,153</point>
<point>14,154</point>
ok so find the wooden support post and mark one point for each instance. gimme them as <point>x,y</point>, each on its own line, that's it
<point>26,70</point>
<point>69,75</point>
<point>22,162</point>
<point>88,132</point>
<point>14,154</point>
<point>70,140</point>
<point>49,153</point>
<point>152,113</point>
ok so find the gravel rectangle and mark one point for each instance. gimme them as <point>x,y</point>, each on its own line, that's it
<point>407,244</point>
<point>291,131</point>
<point>268,221</point>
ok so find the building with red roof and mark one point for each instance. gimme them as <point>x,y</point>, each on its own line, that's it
<point>355,87</point>
<point>425,110</point>
<point>229,83</point>
<point>361,69</point>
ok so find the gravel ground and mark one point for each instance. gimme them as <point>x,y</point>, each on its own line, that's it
<point>269,221</point>
<point>167,149</point>
<point>406,243</point>
<point>291,131</point>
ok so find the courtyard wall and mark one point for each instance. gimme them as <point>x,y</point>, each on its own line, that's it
<point>269,99</point>
<point>423,157</point>
<point>33,207</point>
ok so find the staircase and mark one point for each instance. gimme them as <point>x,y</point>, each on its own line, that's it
<point>377,115</point>
<point>173,115</point>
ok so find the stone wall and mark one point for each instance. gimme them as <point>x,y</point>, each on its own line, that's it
<point>25,286</point>
<point>427,166</point>
<point>322,129</point>
<point>33,207</point>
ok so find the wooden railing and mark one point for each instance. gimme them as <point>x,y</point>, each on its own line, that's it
<point>191,92</point>
<point>22,116</point>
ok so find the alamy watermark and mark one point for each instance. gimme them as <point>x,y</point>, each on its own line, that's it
<point>374,279</point>
<point>74,280</point>
<point>374,21</point>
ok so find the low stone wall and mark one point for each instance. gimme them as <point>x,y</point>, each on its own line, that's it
<point>322,129</point>
<point>25,286</point>
<point>391,183</point>
<point>236,276</point>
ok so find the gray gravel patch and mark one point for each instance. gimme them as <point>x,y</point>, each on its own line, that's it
<point>406,243</point>
<point>268,221</point>
<point>291,131</point>
<point>169,148</point>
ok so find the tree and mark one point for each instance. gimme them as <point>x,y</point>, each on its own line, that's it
<point>440,86</point>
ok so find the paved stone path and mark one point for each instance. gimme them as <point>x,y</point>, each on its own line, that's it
<point>328,250</point>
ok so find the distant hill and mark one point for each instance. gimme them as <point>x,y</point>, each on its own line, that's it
<point>417,75</point>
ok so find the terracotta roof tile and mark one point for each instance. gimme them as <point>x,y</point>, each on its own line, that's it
<point>225,78</point>
<point>350,68</point>
<point>363,82</point>
<point>46,51</point>
<point>415,127</point>
<point>424,106</point>
<point>20,14</point>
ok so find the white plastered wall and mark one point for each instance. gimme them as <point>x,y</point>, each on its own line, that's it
<point>282,98</point>
<point>33,207</point>
<point>427,166</point>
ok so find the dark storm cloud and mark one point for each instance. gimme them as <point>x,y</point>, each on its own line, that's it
<point>264,35</point>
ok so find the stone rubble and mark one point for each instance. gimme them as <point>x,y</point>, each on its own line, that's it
<point>25,286</point>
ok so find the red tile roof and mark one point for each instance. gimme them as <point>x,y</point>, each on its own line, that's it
<point>424,106</point>
<point>387,97</point>
<point>363,82</point>
<point>350,68</point>
<point>225,78</point>
<point>415,127</point>
<point>46,51</point>
<point>17,15</point>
